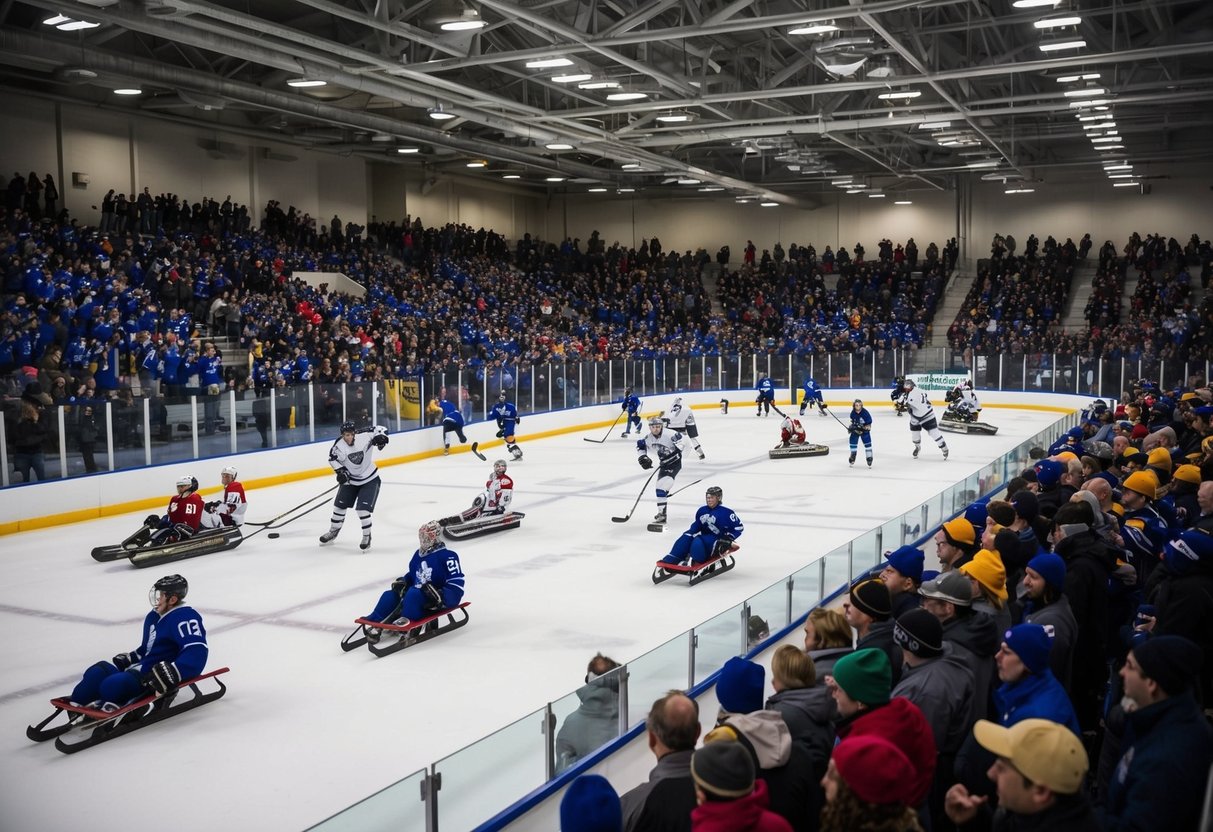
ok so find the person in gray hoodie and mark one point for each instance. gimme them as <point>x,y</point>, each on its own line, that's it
<point>805,704</point>
<point>795,794</point>
<point>974,636</point>
<point>596,720</point>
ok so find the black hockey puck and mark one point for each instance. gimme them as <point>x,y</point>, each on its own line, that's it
<point>273,534</point>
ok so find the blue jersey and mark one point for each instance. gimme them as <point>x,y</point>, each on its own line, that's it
<point>766,388</point>
<point>177,637</point>
<point>504,412</point>
<point>811,391</point>
<point>716,522</point>
<point>631,403</point>
<point>860,421</point>
<point>450,413</point>
<point>440,568</point>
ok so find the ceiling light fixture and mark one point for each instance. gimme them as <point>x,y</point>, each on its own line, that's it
<point>769,204</point>
<point>689,180</point>
<point>842,180</point>
<point>573,78</point>
<point>477,163</point>
<point>76,25</point>
<point>1035,4</point>
<point>630,166</point>
<point>1099,139</point>
<point>903,202</point>
<point>598,85</point>
<point>559,146</point>
<point>596,190</point>
<point>625,191</point>
<point>1120,166</point>
<point>128,91</point>
<point>56,20</point>
<point>548,63</point>
<point>1058,45</point>
<point>1103,125</point>
<point>1070,79</point>
<point>1085,92</point>
<point>511,176</point>
<point>985,163</point>
<point>304,83</point>
<point>439,114</point>
<point>711,188</point>
<point>876,196</point>
<point>554,179</point>
<point>818,28</point>
<point>675,117</point>
<point>408,150</point>
<point>899,95</point>
<point>1111,147</point>
<point>1094,117</point>
<point>1125,184</point>
<point>1020,191</point>
<point>934,125</point>
<point>626,96</point>
<point>1120,176</point>
<point>1054,22</point>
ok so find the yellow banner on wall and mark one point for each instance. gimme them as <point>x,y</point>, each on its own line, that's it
<point>405,394</point>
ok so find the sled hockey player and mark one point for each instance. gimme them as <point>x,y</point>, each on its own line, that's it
<point>899,395</point>
<point>666,445</point>
<point>507,417</point>
<point>791,432</point>
<point>452,422</point>
<point>861,426</point>
<point>433,583</point>
<point>922,417</point>
<point>680,418</point>
<point>962,403</point>
<point>352,457</point>
<point>184,515</point>
<point>766,395</point>
<point>228,511</point>
<point>631,405</point>
<point>495,499</point>
<point>711,534</point>
<point>813,396</point>
<point>173,648</point>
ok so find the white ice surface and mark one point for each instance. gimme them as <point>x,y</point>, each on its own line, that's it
<point>305,729</point>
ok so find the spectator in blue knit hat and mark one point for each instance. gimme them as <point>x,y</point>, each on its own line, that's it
<point>1029,689</point>
<point>903,575</point>
<point>590,804</point>
<point>1160,780</point>
<point>1050,494</point>
<point>1045,603</point>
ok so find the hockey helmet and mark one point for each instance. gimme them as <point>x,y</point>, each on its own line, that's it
<point>499,466</point>
<point>715,491</point>
<point>909,382</point>
<point>627,391</point>
<point>348,427</point>
<point>429,537</point>
<point>168,586</point>
<point>655,421</point>
<point>228,471</point>
<point>188,481</point>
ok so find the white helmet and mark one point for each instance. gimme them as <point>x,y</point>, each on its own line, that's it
<point>188,481</point>
<point>655,421</point>
<point>429,537</point>
<point>228,471</point>
<point>499,466</point>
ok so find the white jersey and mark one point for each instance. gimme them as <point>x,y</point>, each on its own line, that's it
<point>969,399</point>
<point>498,494</point>
<point>357,459</point>
<point>667,447</point>
<point>920,405</point>
<point>679,416</point>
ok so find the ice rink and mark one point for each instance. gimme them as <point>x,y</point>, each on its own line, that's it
<point>306,729</point>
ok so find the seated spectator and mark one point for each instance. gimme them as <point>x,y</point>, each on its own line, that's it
<point>590,804</point>
<point>1160,780</point>
<point>596,720</point>
<point>1038,771</point>
<point>665,801</point>
<point>867,786</point>
<point>728,795</point>
<point>903,575</point>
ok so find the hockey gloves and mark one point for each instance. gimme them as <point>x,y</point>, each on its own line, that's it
<point>433,597</point>
<point>212,505</point>
<point>722,546</point>
<point>343,476</point>
<point>645,462</point>
<point>124,660</point>
<point>501,433</point>
<point>162,678</point>
<point>400,585</point>
<point>379,440</point>
<point>152,521</point>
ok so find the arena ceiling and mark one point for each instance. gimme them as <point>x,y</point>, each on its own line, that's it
<point>775,99</point>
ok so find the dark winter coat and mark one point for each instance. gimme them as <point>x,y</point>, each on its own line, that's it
<point>1159,782</point>
<point>665,801</point>
<point>1069,813</point>
<point>823,660</point>
<point>1185,608</point>
<point>976,638</point>
<point>1058,619</point>
<point>1036,696</point>
<point>943,690</point>
<point>880,636</point>
<point>809,714</point>
<point>1089,564</point>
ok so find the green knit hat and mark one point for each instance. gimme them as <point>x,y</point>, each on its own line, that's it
<point>865,676</point>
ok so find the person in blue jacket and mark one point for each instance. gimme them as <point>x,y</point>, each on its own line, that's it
<point>766,395</point>
<point>631,405</point>
<point>433,583</point>
<point>711,533</point>
<point>860,426</point>
<point>1029,689</point>
<point>173,648</point>
<point>452,422</point>
<point>507,417</point>
<point>812,396</point>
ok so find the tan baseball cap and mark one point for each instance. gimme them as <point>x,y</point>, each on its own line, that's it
<point>1045,752</point>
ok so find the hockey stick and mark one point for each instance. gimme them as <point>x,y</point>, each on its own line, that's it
<point>476,451</point>
<point>685,487</point>
<point>285,522</point>
<point>777,410</point>
<point>628,516</point>
<point>845,427</point>
<point>608,433</point>
<point>268,523</point>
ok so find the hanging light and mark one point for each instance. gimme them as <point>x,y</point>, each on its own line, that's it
<point>439,114</point>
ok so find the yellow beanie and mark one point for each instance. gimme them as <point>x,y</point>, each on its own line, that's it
<point>1187,473</point>
<point>1143,482</point>
<point>959,531</point>
<point>1160,458</point>
<point>987,569</point>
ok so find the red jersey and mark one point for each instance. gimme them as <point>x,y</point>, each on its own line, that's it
<point>792,431</point>
<point>187,510</point>
<point>233,503</point>
<point>499,491</point>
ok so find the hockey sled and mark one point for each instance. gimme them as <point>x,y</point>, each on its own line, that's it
<point>85,727</point>
<point>123,549</point>
<point>483,525</point>
<point>698,572</point>
<point>413,633</point>
<point>807,449</point>
<point>205,542</point>
<point>954,424</point>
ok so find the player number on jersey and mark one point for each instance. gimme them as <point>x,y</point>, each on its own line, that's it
<point>452,567</point>
<point>189,628</point>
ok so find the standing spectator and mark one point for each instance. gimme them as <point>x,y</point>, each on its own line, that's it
<point>1038,770</point>
<point>590,804</point>
<point>867,786</point>
<point>1029,688</point>
<point>804,703</point>
<point>665,801</point>
<point>903,575</point>
<point>1045,603</point>
<point>1183,598</point>
<point>596,720</point>
<point>88,438</point>
<point>30,433</point>
<point>50,194</point>
<point>729,797</point>
<point>937,680</point>
<point>827,638</point>
<point>988,578</point>
<point>973,634</point>
<point>1168,747</point>
<point>869,609</point>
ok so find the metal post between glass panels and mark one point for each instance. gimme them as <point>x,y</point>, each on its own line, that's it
<point>344,417</point>
<point>850,369</point>
<point>147,431</point>
<point>193,425</point>
<point>1121,388</point>
<point>745,628</point>
<point>549,742</point>
<point>623,700</point>
<point>610,379</point>
<point>1053,375</point>
<point>787,607</point>
<point>821,579</point>
<point>532,410</point>
<point>231,420</point>
<point>430,784</point>
<point>1000,357</point>
<point>692,639</point>
<point>63,441</point>
<point>274,416</point>
<point>850,560</point>
<point>3,451</point>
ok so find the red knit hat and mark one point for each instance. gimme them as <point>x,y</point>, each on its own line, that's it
<point>874,769</point>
